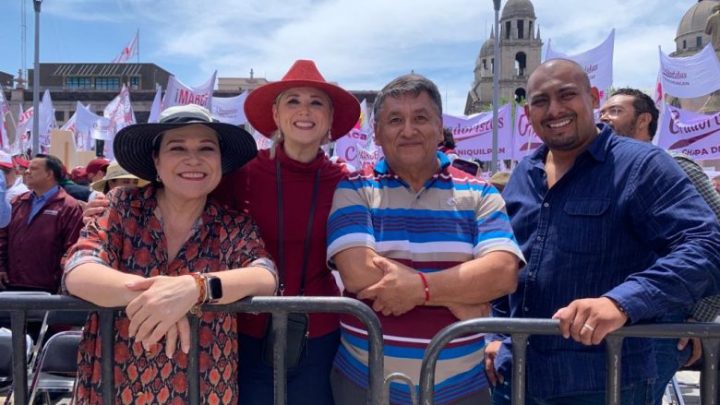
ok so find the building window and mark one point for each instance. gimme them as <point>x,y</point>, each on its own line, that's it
<point>530,30</point>
<point>521,29</point>
<point>78,82</point>
<point>698,42</point>
<point>484,64</point>
<point>107,83</point>
<point>59,115</point>
<point>684,44</point>
<point>135,82</point>
<point>492,65</point>
<point>508,27</point>
<point>520,63</point>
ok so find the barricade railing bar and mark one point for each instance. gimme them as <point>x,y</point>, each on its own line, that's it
<point>279,307</point>
<point>521,329</point>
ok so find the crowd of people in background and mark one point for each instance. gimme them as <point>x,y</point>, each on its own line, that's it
<point>597,229</point>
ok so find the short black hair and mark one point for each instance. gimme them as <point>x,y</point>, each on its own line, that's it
<point>642,103</point>
<point>53,163</point>
<point>448,139</point>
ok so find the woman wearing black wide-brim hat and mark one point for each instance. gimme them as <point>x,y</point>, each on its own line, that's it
<point>163,250</point>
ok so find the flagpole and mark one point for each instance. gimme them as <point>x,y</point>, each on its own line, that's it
<point>36,86</point>
<point>137,35</point>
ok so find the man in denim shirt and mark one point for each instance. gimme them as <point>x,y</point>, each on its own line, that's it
<point>613,232</point>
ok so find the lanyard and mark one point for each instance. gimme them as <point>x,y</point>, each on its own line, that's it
<point>281,229</point>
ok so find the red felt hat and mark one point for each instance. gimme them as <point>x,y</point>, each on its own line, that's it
<point>303,73</point>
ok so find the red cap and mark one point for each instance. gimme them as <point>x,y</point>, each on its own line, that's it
<point>96,165</point>
<point>21,162</point>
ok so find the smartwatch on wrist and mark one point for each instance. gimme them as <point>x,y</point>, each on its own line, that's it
<point>213,289</point>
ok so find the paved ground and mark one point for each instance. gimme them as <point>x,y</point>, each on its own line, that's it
<point>690,387</point>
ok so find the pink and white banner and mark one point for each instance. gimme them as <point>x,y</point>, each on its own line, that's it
<point>119,111</point>
<point>598,62</point>
<point>473,135</point>
<point>525,140</point>
<point>692,76</point>
<point>358,148</point>
<point>179,94</point>
<point>693,134</point>
<point>230,109</point>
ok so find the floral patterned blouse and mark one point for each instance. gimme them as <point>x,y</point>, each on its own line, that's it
<point>129,237</point>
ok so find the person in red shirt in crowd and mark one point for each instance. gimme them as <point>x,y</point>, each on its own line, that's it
<point>96,169</point>
<point>45,219</point>
<point>283,189</point>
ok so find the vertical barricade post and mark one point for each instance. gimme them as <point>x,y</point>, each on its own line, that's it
<point>279,339</point>
<point>519,353</point>
<point>19,344</point>
<point>613,355</point>
<point>709,375</point>
<point>193,373</point>
<point>107,340</point>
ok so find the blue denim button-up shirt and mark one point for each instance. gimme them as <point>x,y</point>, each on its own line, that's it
<point>623,222</point>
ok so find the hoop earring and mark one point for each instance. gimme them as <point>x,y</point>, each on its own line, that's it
<point>158,179</point>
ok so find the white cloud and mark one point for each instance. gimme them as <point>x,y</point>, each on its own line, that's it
<point>363,45</point>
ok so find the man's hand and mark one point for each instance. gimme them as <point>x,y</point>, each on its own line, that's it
<point>398,291</point>
<point>95,208</point>
<point>470,311</point>
<point>696,347</point>
<point>163,303</point>
<point>4,280</point>
<point>491,352</point>
<point>589,320</point>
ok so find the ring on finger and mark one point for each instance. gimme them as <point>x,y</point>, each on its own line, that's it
<point>586,326</point>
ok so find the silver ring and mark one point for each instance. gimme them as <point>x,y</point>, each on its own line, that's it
<point>589,327</point>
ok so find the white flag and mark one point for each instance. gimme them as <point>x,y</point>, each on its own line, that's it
<point>22,130</point>
<point>156,107</point>
<point>81,124</point>
<point>46,119</point>
<point>230,109</point>
<point>692,76</point>
<point>4,126</point>
<point>597,62</point>
<point>179,94</point>
<point>129,51</point>
<point>119,111</point>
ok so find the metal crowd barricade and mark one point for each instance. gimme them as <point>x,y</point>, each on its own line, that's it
<point>280,307</point>
<point>521,329</point>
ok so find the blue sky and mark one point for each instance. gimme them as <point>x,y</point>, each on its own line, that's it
<point>359,44</point>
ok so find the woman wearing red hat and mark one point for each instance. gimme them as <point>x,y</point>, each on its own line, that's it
<point>288,190</point>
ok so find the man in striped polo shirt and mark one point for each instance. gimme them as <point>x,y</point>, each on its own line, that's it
<point>425,245</point>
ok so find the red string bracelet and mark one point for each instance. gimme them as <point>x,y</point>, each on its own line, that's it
<point>426,286</point>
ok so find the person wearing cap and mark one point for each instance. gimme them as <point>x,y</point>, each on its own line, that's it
<point>13,182</point>
<point>288,189</point>
<point>45,219</point>
<point>116,176</point>
<point>425,244</point>
<point>163,250</point>
<point>96,169</point>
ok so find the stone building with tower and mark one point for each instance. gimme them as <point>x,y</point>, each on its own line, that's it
<point>520,46</point>
<point>691,38</point>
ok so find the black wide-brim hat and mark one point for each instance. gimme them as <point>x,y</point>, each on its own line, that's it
<point>133,145</point>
